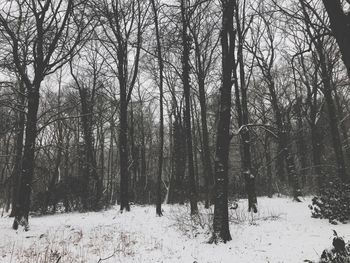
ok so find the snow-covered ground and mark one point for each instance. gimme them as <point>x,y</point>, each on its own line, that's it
<point>282,231</point>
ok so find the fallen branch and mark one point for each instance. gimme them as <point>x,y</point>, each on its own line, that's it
<point>103,259</point>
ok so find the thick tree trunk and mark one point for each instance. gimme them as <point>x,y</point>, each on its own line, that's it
<point>221,223</point>
<point>333,118</point>
<point>342,124</point>
<point>333,123</point>
<point>19,150</point>
<point>123,152</point>
<point>340,25</point>
<point>187,117</point>
<point>25,188</point>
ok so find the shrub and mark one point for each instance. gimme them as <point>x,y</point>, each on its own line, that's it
<point>332,202</point>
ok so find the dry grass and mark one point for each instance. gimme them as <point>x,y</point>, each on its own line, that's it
<point>201,224</point>
<point>71,244</point>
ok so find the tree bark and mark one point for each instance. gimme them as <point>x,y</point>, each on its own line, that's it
<point>340,25</point>
<point>19,149</point>
<point>187,113</point>
<point>23,202</point>
<point>221,223</point>
<point>161,118</point>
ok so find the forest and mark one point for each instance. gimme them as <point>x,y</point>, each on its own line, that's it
<point>207,113</point>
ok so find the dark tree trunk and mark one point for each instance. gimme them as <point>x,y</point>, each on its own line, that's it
<point>101,177</point>
<point>19,149</point>
<point>176,191</point>
<point>123,149</point>
<point>332,115</point>
<point>187,117</point>
<point>23,202</point>
<point>333,123</point>
<point>195,141</point>
<point>143,165</point>
<point>340,25</point>
<point>133,162</point>
<point>221,223</point>
<point>342,124</point>
<point>161,118</point>
<point>66,173</point>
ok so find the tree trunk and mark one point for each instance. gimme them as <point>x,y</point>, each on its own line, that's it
<point>187,117</point>
<point>332,115</point>
<point>340,24</point>
<point>25,188</point>
<point>19,149</point>
<point>161,118</point>
<point>221,223</point>
<point>123,152</point>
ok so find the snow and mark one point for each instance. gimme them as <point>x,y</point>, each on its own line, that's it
<point>282,231</point>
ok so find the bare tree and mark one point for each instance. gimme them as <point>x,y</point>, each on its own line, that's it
<point>40,39</point>
<point>221,224</point>
<point>122,23</point>
<point>187,114</point>
<point>161,118</point>
<point>203,27</point>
